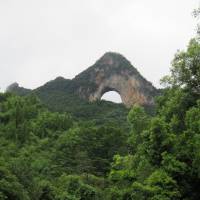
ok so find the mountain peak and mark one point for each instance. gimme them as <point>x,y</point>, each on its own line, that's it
<point>12,87</point>
<point>113,59</point>
<point>15,88</point>
<point>113,72</point>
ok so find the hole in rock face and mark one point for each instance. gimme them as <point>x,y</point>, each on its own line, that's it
<point>112,96</point>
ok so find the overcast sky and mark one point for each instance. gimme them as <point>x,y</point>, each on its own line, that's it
<point>43,39</point>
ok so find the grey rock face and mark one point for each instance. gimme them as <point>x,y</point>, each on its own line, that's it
<point>12,87</point>
<point>113,72</point>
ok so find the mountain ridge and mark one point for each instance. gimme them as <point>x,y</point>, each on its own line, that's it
<point>86,83</point>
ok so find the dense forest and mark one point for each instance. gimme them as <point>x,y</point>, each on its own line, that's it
<point>48,155</point>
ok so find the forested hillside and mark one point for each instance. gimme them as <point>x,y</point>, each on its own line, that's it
<point>57,97</point>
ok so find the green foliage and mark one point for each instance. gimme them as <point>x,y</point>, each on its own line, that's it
<point>93,148</point>
<point>185,71</point>
<point>138,119</point>
<point>164,150</point>
<point>10,187</point>
<point>49,124</point>
<point>50,155</point>
<point>39,147</point>
<point>73,187</point>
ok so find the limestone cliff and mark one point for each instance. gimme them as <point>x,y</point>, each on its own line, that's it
<point>113,72</point>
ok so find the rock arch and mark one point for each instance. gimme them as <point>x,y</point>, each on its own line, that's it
<point>113,72</point>
<point>125,88</point>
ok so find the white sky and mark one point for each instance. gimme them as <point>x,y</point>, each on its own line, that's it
<point>43,39</point>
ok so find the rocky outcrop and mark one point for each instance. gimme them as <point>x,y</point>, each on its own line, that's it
<point>113,72</point>
<point>15,88</point>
